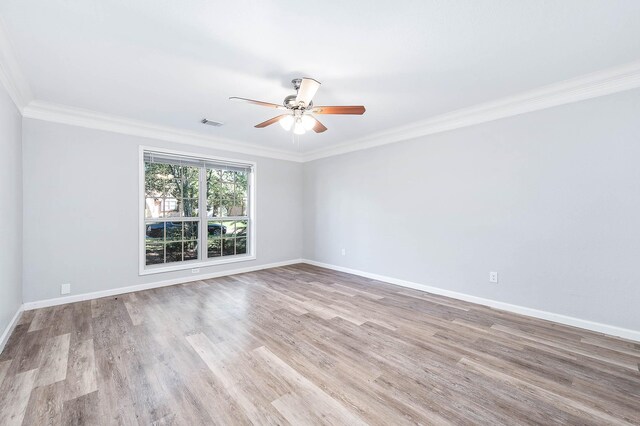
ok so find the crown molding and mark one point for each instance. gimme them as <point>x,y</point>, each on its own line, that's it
<point>11,76</point>
<point>56,113</point>
<point>588,86</point>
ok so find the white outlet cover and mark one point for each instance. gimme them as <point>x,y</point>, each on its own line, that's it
<point>493,277</point>
<point>65,288</point>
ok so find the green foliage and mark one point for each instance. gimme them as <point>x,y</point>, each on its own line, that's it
<point>178,182</point>
<point>226,190</point>
<point>227,193</point>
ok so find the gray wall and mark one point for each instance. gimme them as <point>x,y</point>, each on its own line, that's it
<point>550,200</point>
<point>81,210</point>
<point>11,210</point>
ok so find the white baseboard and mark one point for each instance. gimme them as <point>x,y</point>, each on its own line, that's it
<point>10,327</point>
<point>550,316</point>
<point>122,290</point>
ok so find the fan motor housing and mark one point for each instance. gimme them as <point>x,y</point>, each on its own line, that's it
<point>290,103</point>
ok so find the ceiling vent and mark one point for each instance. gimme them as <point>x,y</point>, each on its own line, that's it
<point>211,123</point>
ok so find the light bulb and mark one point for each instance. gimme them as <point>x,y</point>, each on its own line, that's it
<point>298,127</point>
<point>286,122</point>
<point>308,122</point>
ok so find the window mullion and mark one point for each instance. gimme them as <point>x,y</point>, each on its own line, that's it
<point>202,212</point>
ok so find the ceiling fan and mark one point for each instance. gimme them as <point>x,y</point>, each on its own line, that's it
<point>300,108</point>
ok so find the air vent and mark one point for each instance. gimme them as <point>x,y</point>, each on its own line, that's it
<point>211,123</point>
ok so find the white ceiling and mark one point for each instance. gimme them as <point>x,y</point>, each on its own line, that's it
<point>174,62</point>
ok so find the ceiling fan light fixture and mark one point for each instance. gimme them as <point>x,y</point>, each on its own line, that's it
<point>298,127</point>
<point>286,122</point>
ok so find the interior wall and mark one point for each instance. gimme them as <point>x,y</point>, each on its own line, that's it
<point>11,210</point>
<point>81,210</point>
<point>550,200</point>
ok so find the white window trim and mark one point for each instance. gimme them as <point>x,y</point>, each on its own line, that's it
<point>191,264</point>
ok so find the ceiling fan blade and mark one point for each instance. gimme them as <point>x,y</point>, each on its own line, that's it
<point>307,90</point>
<point>357,110</point>
<point>253,101</point>
<point>319,127</point>
<point>270,121</point>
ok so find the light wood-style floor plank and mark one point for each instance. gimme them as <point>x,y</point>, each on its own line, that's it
<point>81,370</point>
<point>306,397</point>
<point>14,396</point>
<point>46,402</point>
<point>4,368</point>
<point>83,410</point>
<point>304,345</point>
<point>53,367</point>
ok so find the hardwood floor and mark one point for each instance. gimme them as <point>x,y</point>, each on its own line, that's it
<point>305,345</point>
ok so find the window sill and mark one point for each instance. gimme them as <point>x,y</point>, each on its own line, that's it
<point>194,264</point>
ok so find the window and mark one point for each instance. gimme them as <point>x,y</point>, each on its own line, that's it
<point>227,200</point>
<point>196,211</point>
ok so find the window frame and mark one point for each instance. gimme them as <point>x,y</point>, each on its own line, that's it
<point>202,261</point>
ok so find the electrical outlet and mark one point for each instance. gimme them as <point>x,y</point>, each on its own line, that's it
<point>493,277</point>
<point>65,288</point>
<point>344,251</point>
<point>195,271</point>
